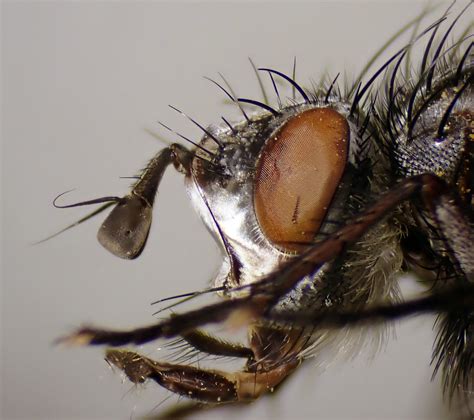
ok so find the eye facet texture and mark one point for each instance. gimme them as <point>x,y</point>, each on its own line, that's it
<point>297,175</point>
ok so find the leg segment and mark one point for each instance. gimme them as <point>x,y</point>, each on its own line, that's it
<point>206,343</point>
<point>208,386</point>
<point>455,299</point>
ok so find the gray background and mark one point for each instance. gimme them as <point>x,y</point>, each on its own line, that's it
<point>82,84</point>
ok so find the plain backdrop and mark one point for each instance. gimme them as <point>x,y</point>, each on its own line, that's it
<point>83,86</point>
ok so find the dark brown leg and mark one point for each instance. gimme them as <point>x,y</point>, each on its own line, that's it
<point>207,386</point>
<point>456,299</point>
<point>266,292</point>
<point>273,356</point>
<point>206,343</point>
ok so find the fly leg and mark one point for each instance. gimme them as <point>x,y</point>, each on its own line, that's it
<point>206,389</point>
<point>272,356</point>
<point>199,384</point>
<point>206,343</point>
<point>455,300</point>
<point>199,341</point>
<point>263,295</point>
<point>206,386</point>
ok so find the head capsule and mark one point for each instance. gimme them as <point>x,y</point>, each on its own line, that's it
<point>280,179</point>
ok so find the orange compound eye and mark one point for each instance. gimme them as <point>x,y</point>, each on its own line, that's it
<point>297,175</point>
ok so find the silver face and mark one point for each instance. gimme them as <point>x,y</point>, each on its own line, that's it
<point>224,197</point>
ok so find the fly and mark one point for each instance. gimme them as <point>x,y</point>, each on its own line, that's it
<point>319,203</point>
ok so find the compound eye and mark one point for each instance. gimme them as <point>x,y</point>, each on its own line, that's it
<point>297,174</point>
